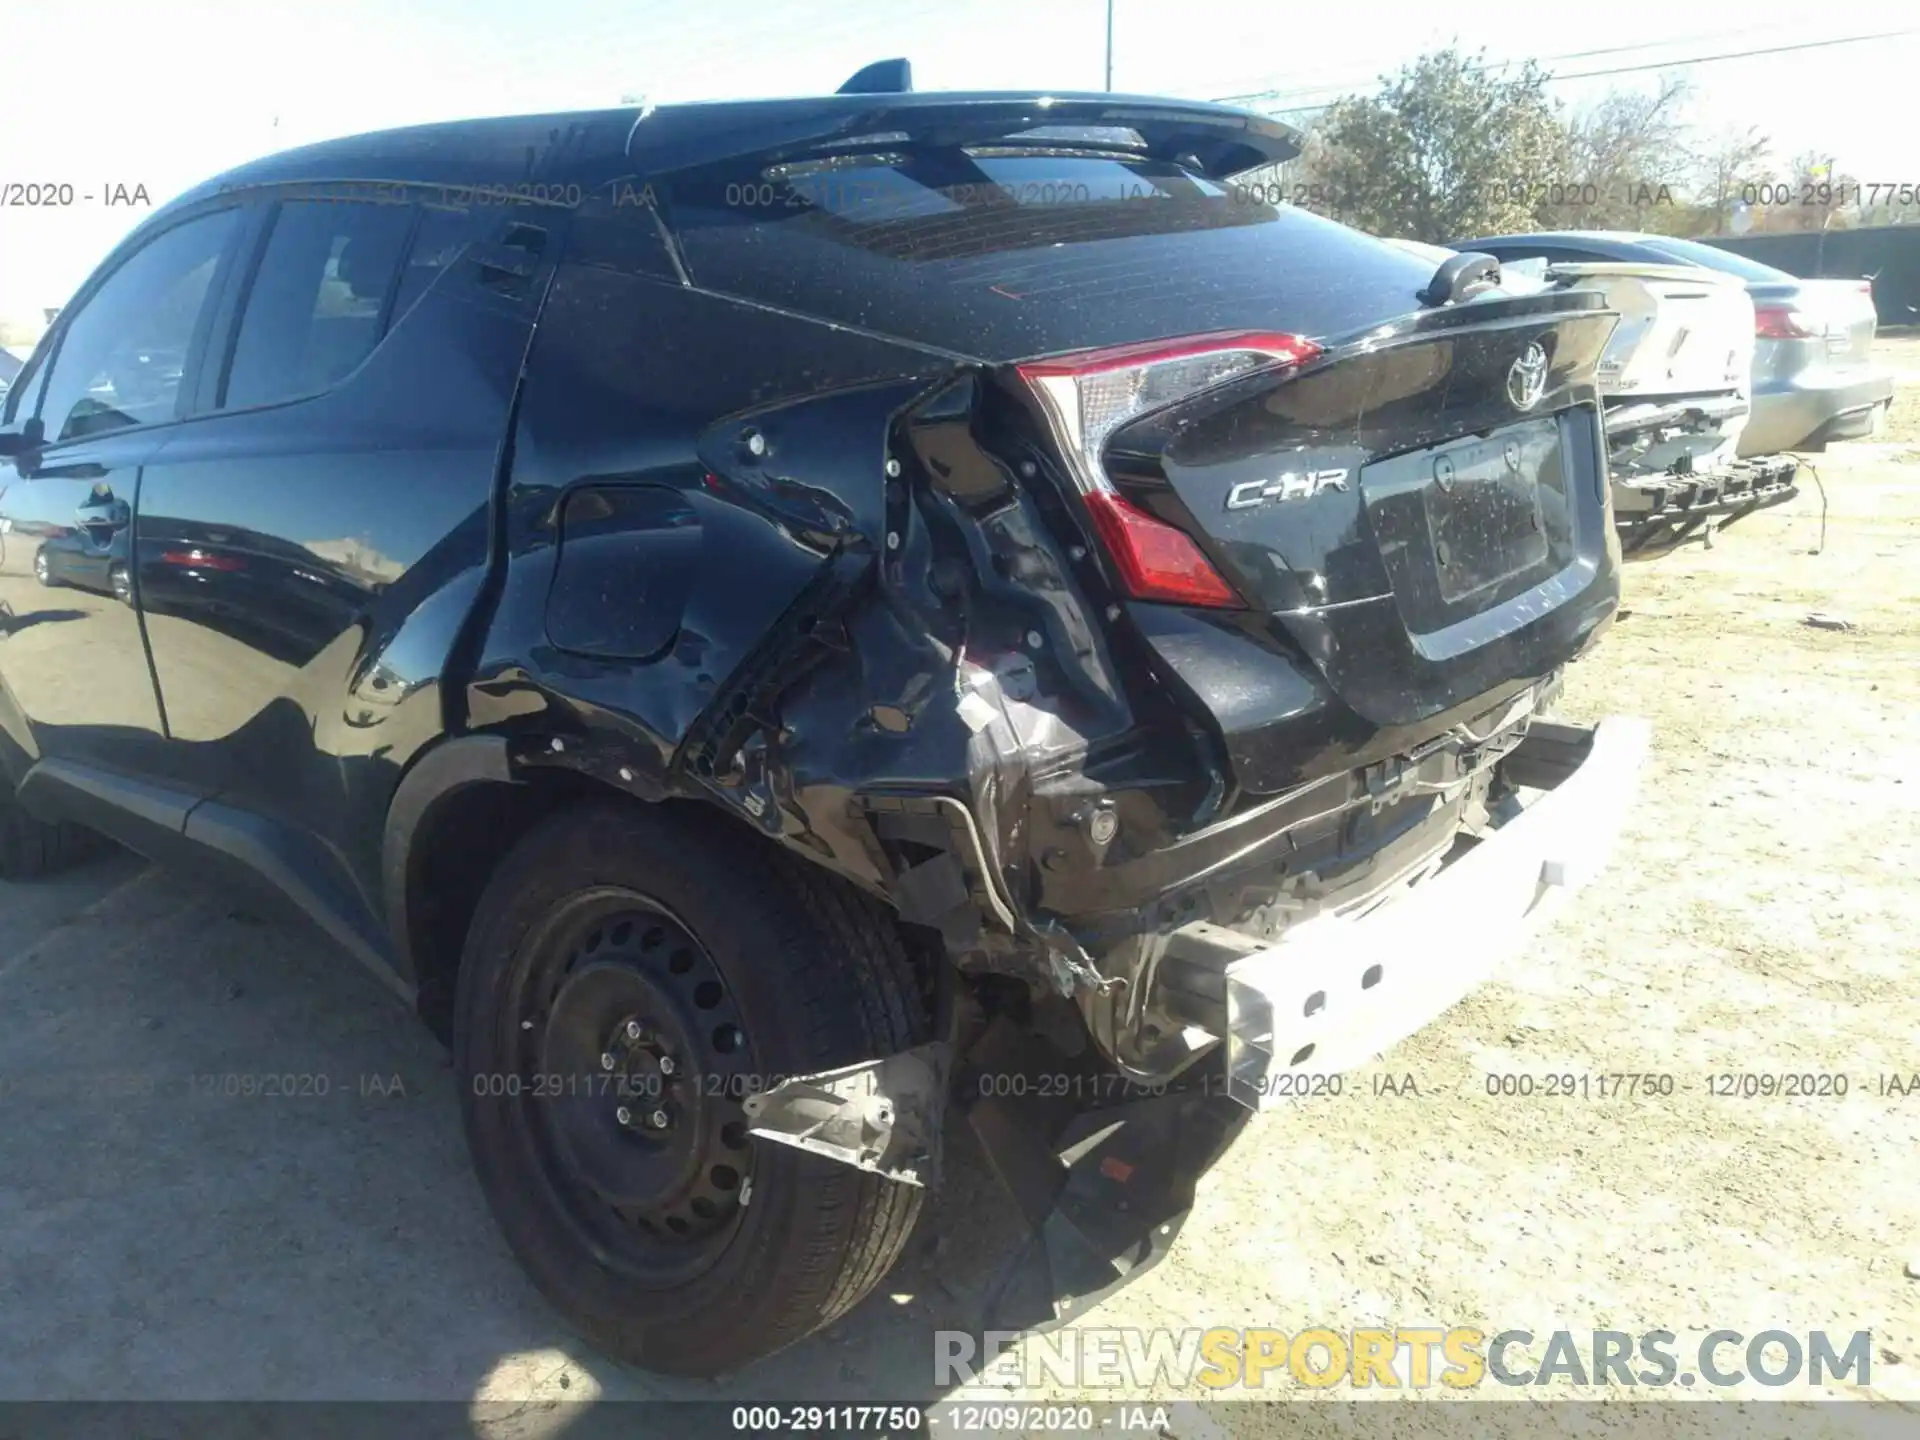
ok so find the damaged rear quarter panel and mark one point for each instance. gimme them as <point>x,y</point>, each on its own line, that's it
<point>626,399</point>
<point>714,588</point>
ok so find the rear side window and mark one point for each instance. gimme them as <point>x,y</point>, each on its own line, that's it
<point>1004,254</point>
<point>318,303</point>
<point>122,353</point>
<point>440,240</point>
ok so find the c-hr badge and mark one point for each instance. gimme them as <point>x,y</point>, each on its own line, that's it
<point>1293,485</point>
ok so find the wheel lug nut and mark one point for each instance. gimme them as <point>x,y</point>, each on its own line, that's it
<point>623,1115</point>
<point>659,1118</point>
<point>633,1029</point>
<point>666,1064</point>
<point>607,1061</point>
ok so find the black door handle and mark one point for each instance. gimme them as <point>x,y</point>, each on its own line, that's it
<point>505,260</point>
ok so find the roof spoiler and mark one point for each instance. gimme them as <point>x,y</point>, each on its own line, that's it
<point>1214,140</point>
<point>882,77</point>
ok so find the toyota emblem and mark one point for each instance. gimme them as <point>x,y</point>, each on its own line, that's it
<point>1527,377</point>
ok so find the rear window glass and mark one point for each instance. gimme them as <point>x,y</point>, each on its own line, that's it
<point>439,241</point>
<point>1692,252</point>
<point>1004,255</point>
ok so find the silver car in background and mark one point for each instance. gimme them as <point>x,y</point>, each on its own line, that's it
<point>1675,379</point>
<point>1814,381</point>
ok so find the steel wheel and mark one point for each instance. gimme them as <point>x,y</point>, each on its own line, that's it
<point>661,961</point>
<point>632,1064</point>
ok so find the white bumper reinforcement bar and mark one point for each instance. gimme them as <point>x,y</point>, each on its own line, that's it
<point>1336,992</point>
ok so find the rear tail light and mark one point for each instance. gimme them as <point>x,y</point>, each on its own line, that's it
<point>1156,561</point>
<point>201,560</point>
<point>1783,322</point>
<point>1089,394</point>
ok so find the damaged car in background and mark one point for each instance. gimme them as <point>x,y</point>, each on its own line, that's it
<point>1815,382</point>
<point>1676,379</point>
<point>800,624</point>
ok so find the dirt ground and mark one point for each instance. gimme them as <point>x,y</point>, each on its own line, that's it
<point>1762,916</point>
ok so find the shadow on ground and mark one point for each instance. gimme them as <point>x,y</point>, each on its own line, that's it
<point>180,1226</point>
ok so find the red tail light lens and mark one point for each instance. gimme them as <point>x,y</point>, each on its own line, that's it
<point>201,560</point>
<point>1156,561</point>
<point>1782,322</point>
<point>1089,394</point>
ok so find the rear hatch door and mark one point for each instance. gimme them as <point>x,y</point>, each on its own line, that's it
<point>1466,545</point>
<point>1422,512</point>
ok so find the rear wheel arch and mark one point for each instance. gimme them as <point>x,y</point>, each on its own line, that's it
<point>458,809</point>
<point>457,812</point>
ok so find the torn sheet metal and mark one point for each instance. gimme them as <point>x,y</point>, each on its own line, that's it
<point>882,1116</point>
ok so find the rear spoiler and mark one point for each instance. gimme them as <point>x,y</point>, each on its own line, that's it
<point>1214,140</point>
<point>1633,270</point>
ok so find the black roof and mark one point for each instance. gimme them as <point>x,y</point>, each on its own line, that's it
<point>593,147</point>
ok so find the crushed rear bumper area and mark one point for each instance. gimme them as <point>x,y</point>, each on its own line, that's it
<point>1338,990</point>
<point>1655,513</point>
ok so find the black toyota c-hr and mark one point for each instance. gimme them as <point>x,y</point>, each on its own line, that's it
<point>761,618</point>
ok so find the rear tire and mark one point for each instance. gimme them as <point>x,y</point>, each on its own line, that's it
<point>624,934</point>
<point>43,570</point>
<point>30,848</point>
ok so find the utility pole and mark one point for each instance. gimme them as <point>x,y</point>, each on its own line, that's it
<point>1826,219</point>
<point>1109,45</point>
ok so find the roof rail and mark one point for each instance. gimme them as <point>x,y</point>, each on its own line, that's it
<point>882,77</point>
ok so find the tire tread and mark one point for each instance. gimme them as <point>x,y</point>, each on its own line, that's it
<point>849,987</point>
<point>31,848</point>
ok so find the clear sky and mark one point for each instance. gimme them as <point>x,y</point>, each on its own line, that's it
<point>163,93</point>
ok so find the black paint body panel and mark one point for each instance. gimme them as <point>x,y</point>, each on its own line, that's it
<point>657,494</point>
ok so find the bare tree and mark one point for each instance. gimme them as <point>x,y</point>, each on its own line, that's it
<point>1730,171</point>
<point>1815,195</point>
<point>1626,157</point>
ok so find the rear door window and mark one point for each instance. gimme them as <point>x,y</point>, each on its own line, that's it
<point>319,300</point>
<point>123,353</point>
<point>440,240</point>
<point>1005,253</point>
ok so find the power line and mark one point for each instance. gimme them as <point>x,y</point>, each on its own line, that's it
<point>1653,44</point>
<point>1746,54</point>
<point>1335,90</point>
<point>1502,64</point>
